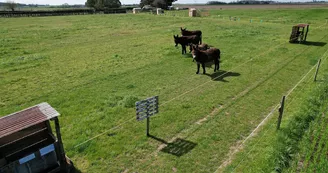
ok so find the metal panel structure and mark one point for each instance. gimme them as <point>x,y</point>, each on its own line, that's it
<point>47,149</point>
<point>26,158</point>
<point>299,33</point>
<point>147,108</point>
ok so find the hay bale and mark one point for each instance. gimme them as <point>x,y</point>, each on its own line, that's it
<point>159,11</point>
<point>192,12</point>
<point>136,10</point>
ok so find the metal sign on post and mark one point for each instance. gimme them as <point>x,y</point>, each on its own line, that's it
<point>147,108</point>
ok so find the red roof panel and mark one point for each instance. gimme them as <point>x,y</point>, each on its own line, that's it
<point>303,25</point>
<point>26,118</point>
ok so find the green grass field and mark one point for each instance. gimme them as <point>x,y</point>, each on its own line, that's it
<point>258,153</point>
<point>93,68</point>
<point>313,149</point>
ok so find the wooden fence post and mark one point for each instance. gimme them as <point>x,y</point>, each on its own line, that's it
<point>281,111</point>
<point>63,163</point>
<point>316,72</point>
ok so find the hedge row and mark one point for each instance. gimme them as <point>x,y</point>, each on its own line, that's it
<point>59,12</point>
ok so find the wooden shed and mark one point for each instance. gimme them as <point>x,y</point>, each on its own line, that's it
<point>28,144</point>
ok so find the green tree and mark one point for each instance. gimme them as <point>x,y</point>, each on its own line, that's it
<point>90,3</point>
<point>101,4</point>
<point>146,2</point>
<point>160,4</point>
<point>65,5</point>
<point>11,5</point>
<point>157,3</point>
<point>112,3</point>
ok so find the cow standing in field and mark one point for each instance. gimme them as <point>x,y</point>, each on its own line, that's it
<point>186,41</point>
<point>205,56</point>
<point>185,32</point>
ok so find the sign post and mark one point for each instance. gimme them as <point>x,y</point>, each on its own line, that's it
<point>145,109</point>
<point>147,131</point>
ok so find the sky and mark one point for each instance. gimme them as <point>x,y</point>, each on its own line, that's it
<point>60,2</point>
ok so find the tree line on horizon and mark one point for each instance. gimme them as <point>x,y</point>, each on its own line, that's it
<point>107,4</point>
<point>103,4</point>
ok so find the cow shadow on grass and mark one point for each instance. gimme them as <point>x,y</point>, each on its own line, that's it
<point>178,147</point>
<point>221,75</point>
<point>311,43</point>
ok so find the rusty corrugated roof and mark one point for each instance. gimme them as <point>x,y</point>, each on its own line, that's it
<point>302,25</point>
<point>26,118</point>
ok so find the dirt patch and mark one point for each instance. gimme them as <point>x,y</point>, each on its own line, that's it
<point>233,150</point>
<point>300,165</point>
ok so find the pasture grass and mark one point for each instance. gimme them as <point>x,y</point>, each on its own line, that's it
<point>92,68</point>
<point>260,153</point>
<point>283,16</point>
<point>312,155</point>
